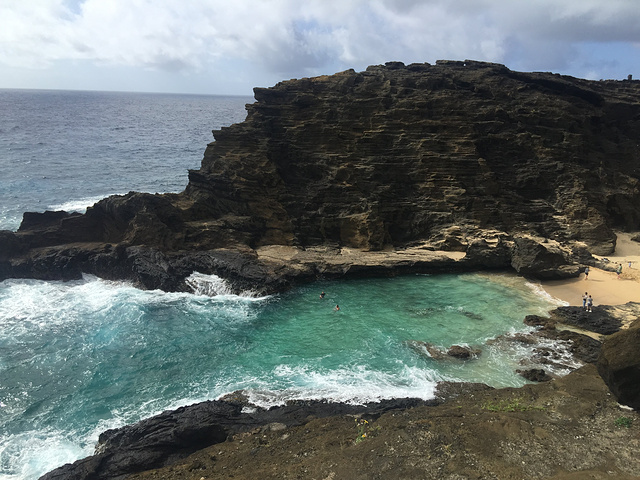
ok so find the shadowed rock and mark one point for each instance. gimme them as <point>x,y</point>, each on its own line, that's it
<point>619,365</point>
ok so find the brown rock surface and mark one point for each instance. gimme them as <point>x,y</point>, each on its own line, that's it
<point>619,365</point>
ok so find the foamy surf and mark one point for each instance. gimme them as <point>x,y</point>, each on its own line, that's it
<point>79,205</point>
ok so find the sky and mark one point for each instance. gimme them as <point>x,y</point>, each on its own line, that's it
<point>227,47</point>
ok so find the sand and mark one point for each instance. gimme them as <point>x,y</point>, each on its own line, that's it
<point>605,287</point>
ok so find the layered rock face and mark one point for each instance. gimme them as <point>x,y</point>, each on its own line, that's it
<point>394,154</point>
<point>530,171</point>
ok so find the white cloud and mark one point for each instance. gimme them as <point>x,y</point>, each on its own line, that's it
<point>288,38</point>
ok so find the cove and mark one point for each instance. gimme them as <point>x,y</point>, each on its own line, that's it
<point>80,357</point>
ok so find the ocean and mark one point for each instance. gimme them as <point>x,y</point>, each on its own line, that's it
<point>80,357</point>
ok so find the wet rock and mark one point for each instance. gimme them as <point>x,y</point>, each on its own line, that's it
<point>463,353</point>
<point>583,347</point>
<point>545,323</point>
<point>535,375</point>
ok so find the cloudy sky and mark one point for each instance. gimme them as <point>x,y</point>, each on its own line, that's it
<point>230,46</point>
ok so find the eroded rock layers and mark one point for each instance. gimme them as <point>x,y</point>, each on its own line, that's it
<point>394,154</point>
<point>465,156</point>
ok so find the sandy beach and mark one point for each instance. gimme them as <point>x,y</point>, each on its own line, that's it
<point>605,287</point>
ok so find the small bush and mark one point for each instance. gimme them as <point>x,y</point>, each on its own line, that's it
<point>623,422</point>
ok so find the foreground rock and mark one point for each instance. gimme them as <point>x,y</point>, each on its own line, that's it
<point>523,171</point>
<point>564,429</point>
<point>619,365</point>
<point>173,435</point>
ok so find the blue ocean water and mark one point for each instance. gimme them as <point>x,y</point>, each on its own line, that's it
<point>77,358</point>
<point>68,149</point>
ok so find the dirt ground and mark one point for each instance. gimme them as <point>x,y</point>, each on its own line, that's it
<point>567,429</point>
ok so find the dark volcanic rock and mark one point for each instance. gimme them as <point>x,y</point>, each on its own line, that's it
<point>512,168</point>
<point>535,375</point>
<point>173,435</point>
<point>599,320</point>
<point>463,353</point>
<point>583,347</point>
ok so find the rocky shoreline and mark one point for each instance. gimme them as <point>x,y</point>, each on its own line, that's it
<point>457,166</point>
<point>182,443</point>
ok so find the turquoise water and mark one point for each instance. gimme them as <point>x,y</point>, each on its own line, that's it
<point>77,358</point>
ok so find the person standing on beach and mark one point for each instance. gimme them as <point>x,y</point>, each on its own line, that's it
<point>619,270</point>
<point>586,273</point>
<point>584,300</point>
<point>589,304</point>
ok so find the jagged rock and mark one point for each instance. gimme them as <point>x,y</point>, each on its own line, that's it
<point>173,435</point>
<point>534,375</point>
<point>583,347</point>
<point>545,323</point>
<point>619,365</point>
<point>599,320</point>
<point>463,353</point>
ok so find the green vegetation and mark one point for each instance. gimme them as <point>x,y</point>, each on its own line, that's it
<point>625,422</point>
<point>513,405</point>
<point>365,430</point>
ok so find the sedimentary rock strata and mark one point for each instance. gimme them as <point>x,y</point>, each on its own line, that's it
<point>530,171</point>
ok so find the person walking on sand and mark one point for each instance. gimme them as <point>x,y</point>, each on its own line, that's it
<point>589,304</point>
<point>586,273</point>
<point>619,270</point>
<point>584,300</point>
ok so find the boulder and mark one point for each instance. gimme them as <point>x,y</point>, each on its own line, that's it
<point>535,375</point>
<point>619,365</point>
<point>464,353</point>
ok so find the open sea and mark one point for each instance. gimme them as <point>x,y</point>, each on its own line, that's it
<point>80,357</point>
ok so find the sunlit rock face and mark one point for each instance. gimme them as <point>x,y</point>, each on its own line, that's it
<point>397,153</point>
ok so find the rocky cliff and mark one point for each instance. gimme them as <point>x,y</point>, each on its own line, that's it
<point>530,171</point>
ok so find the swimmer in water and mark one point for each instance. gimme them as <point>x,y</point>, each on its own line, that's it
<point>337,308</point>
<point>322,295</point>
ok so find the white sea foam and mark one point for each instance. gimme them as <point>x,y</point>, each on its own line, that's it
<point>353,385</point>
<point>79,204</point>
<point>537,289</point>
<point>31,454</point>
<point>215,286</point>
